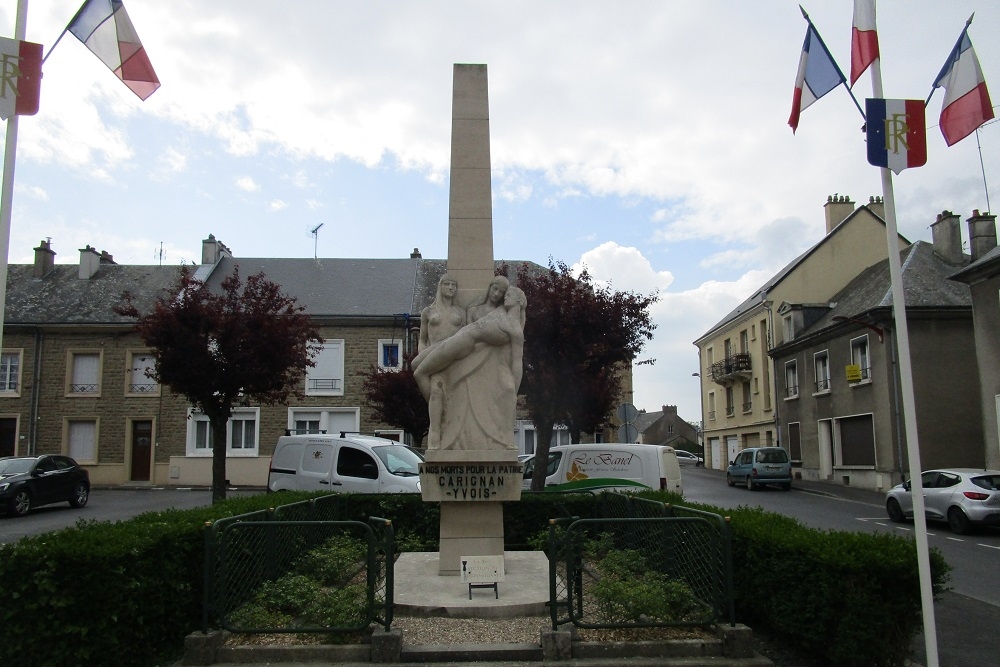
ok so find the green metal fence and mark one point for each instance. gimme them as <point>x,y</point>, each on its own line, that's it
<point>285,570</point>
<point>642,564</point>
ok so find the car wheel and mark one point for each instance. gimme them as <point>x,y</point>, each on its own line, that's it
<point>729,480</point>
<point>20,503</point>
<point>958,522</point>
<point>894,511</point>
<point>81,494</point>
<point>750,485</point>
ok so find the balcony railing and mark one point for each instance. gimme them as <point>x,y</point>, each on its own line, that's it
<point>730,368</point>
<point>748,406</point>
<point>324,384</point>
<point>822,385</point>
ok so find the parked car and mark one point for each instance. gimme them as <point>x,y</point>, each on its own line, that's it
<point>758,466</point>
<point>350,463</point>
<point>964,497</point>
<point>688,459</point>
<point>30,481</point>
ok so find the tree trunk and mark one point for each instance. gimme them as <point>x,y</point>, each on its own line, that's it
<point>218,425</point>
<point>543,438</point>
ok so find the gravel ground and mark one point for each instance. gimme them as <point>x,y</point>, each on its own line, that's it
<point>427,630</point>
<point>524,630</point>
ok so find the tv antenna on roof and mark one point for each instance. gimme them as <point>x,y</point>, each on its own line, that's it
<point>315,233</point>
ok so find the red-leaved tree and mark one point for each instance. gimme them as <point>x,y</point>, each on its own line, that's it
<point>578,341</point>
<point>248,344</point>
<point>395,399</point>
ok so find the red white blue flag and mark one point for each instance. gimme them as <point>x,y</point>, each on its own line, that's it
<point>20,77</point>
<point>967,103</point>
<point>105,28</point>
<point>864,38</point>
<point>818,74</point>
<point>896,133</point>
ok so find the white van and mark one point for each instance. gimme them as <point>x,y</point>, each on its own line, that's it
<point>617,466</point>
<point>347,464</point>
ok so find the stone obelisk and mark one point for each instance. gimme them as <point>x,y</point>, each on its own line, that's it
<point>471,475</point>
<point>470,203</point>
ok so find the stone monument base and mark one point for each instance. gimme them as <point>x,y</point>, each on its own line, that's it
<point>469,529</point>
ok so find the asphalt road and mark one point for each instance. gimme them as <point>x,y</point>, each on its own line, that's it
<point>106,505</point>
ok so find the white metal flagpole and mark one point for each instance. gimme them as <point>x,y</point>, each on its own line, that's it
<point>7,192</point>
<point>909,404</point>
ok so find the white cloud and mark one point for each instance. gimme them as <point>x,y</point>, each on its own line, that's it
<point>247,184</point>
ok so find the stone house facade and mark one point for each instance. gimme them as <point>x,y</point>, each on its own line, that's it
<point>72,371</point>
<point>982,275</point>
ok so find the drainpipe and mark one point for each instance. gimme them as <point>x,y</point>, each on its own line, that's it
<point>774,372</point>
<point>36,384</point>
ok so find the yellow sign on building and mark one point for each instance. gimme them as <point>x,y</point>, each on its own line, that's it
<point>853,372</point>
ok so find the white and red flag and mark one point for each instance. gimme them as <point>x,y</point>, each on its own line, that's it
<point>20,77</point>
<point>864,38</point>
<point>105,28</point>
<point>967,102</point>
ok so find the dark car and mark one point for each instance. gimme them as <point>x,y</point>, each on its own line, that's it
<point>30,481</point>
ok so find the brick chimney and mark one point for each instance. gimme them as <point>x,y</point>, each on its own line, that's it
<point>45,259</point>
<point>946,234</point>
<point>212,250</point>
<point>107,258</point>
<point>982,233</point>
<point>416,254</point>
<point>877,206</point>
<point>670,410</point>
<point>838,207</point>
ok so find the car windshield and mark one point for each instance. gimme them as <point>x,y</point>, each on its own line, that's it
<point>15,466</point>
<point>989,482</point>
<point>400,460</point>
<point>772,456</point>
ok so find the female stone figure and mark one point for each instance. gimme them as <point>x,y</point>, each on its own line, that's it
<point>478,370</point>
<point>438,321</point>
<point>492,300</point>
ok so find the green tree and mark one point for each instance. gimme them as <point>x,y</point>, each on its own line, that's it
<point>248,344</point>
<point>579,341</point>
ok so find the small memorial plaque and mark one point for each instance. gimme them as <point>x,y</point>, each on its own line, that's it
<point>481,569</point>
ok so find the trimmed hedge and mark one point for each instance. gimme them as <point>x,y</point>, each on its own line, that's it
<point>129,592</point>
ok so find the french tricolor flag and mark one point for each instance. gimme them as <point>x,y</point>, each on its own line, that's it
<point>967,103</point>
<point>864,38</point>
<point>818,74</point>
<point>896,133</point>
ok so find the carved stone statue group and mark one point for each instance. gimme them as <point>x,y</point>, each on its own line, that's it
<point>468,366</point>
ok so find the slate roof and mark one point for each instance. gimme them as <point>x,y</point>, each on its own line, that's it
<point>61,297</point>
<point>925,285</point>
<point>345,288</point>
<point>985,266</point>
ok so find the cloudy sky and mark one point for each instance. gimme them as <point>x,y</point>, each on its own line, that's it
<point>645,139</point>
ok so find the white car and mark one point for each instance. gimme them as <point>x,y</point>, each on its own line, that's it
<point>688,459</point>
<point>964,497</point>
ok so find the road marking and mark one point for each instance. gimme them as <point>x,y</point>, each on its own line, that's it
<point>953,539</point>
<point>991,546</point>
